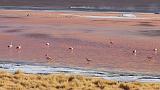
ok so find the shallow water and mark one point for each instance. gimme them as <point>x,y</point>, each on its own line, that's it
<point>150,32</point>
<point>43,69</point>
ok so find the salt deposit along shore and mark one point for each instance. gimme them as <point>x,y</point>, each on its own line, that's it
<point>37,68</point>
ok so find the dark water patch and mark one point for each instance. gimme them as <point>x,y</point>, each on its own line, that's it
<point>150,32</point>
<point>9,17</point>
<point>80,42</point>
<point>64,71</point>
<point>101,73</point>
<point>13,31</point>
<point>95,73</point>
<point>127,74</point>
<point>37,35</point>
<point>114,21</point>
<point>17,64</point>
<point>3,67</point>
<point>145,24</point>
<point>156,20</point>
<point>149,24</point>
<point>4,26</point>
<point>88,31</point>
<point>149,77</point>
<point>67,40</point>
<point>99,20</point>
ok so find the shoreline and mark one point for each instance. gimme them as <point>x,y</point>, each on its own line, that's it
<point>39,68</point>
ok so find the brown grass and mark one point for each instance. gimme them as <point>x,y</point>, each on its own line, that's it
<point>22,81</point>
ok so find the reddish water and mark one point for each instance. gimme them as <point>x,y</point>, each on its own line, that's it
<point>89,37</point>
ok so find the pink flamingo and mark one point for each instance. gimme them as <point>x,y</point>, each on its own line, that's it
<point>48,57</point>
<point>70,48</point>
<point>134,52</point>
<point>47,44</point>
<point>19,47</point>
<point>10,45</point>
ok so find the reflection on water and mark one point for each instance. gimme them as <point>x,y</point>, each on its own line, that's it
<point>150,32</point>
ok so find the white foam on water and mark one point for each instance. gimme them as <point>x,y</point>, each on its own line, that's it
<point>123,16</point>
<point>12,67</point>
<point>113,17</point>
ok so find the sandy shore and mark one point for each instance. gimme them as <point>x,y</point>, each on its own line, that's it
<point>90,37</point>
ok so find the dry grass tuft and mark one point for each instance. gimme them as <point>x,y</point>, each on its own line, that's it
<point>22,81</point>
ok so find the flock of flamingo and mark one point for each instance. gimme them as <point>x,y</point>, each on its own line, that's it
<point>134,52</point>
<point>46,55</point>
<point>47,44</point>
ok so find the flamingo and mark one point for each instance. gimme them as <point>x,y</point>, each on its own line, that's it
<point>111,42</point>
<point>88,60</point>
<point>48,57</point>
<point>10,46</point>
<point>134,52</point>
<point>28,14</point>
<point>70,48</point>
<point>155,49</point>
<point>47,44</point>
<point>149,57</point>
<point>18,47</point>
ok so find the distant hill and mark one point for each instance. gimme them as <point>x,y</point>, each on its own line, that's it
<point>118,4</point>
<point>67,3</point>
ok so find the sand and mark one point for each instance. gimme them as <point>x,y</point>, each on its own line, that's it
<point>90,37</point>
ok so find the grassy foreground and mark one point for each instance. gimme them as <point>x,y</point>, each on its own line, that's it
<point>21,81</point>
